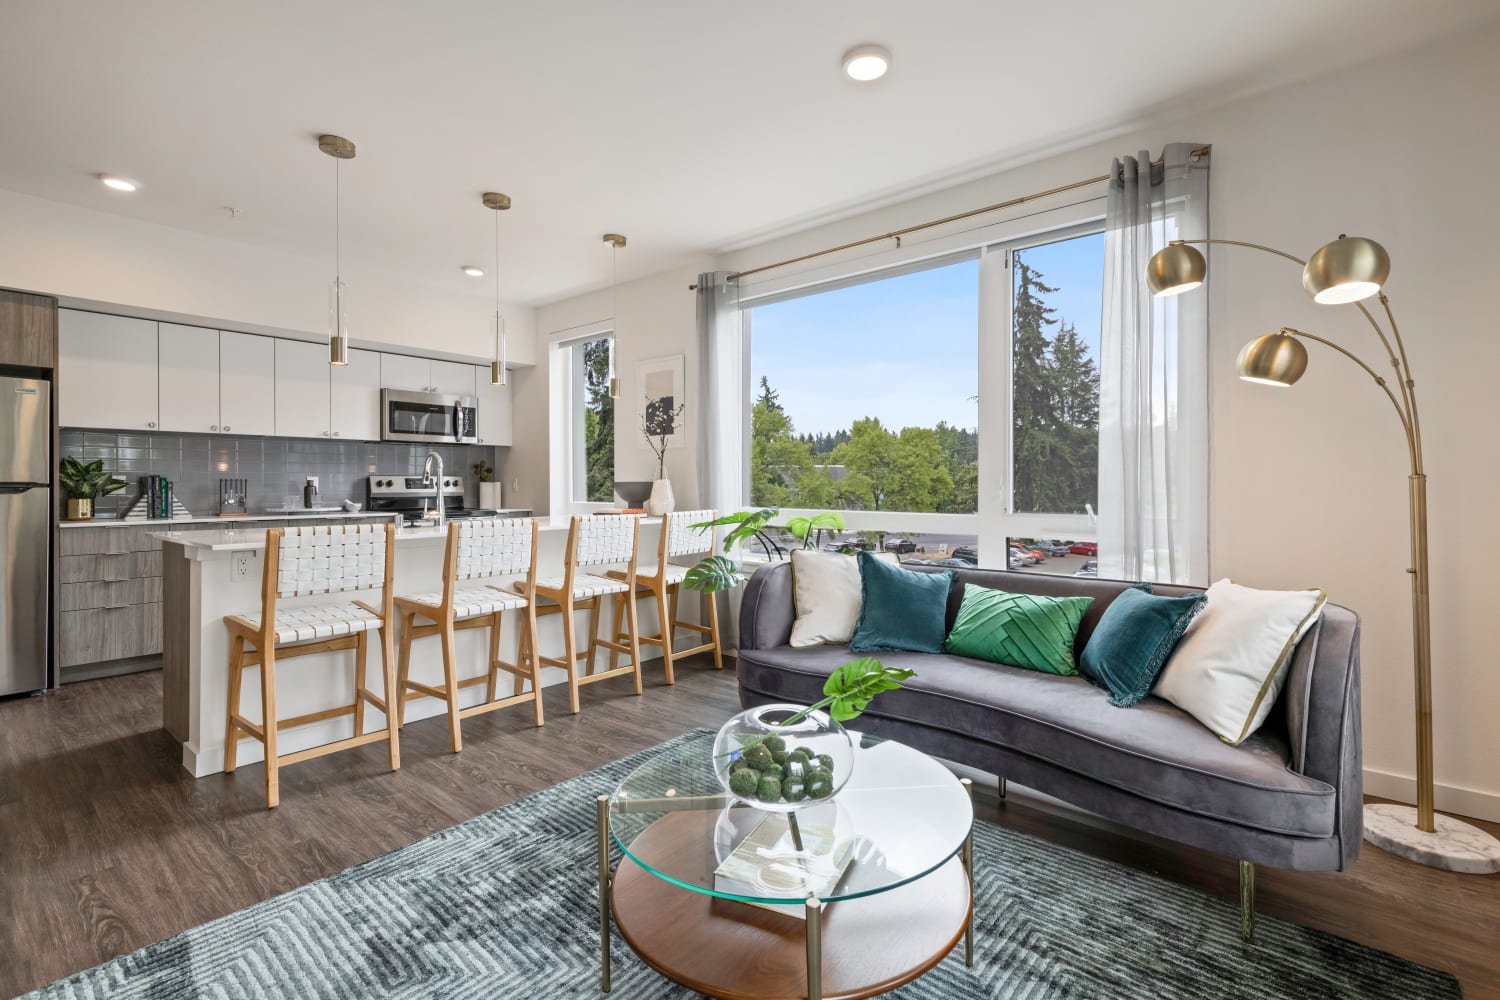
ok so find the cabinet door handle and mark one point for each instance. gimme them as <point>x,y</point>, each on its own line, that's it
<point>216,427</point>
<point>335,433</point>
<point>325,433</point>
<point>226,427</point>
<point>151,423</point>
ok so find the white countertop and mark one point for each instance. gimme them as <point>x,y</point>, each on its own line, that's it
<point>120,522</point>
<point>244,539</point>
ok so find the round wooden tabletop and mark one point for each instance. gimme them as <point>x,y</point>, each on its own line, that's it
<point>736,951</point>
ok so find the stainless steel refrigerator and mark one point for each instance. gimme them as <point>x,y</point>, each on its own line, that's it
<point>25,531</point>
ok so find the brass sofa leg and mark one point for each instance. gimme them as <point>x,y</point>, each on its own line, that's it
<point>1247,901</point>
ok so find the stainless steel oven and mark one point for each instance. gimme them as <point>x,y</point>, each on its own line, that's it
<point>432,417</point>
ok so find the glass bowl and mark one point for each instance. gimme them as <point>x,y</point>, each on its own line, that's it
<point>784,767</point>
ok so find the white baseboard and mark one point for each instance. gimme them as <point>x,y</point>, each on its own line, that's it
<point>1449,798</point>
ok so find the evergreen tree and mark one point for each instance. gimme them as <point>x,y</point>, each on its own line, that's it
<point>599,422</point>
<point>768,398</point>
<point>1034,391</point>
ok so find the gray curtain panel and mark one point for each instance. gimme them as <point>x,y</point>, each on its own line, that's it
<point>723,455</point>
<point>1153,391</point>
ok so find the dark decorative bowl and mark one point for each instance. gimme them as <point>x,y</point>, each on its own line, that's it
<point>634,494</point>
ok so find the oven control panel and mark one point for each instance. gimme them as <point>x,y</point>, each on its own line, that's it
<point>397,486</point>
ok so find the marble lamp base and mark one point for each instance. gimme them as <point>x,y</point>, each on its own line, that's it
<point>1455,846</point>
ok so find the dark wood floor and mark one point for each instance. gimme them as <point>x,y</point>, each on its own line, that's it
<point>106,844</point>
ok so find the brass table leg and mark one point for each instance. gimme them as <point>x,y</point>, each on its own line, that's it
<point>601,809</point>
<point>1002,788</point>
<point>814,948</point>
<point>969,869</point>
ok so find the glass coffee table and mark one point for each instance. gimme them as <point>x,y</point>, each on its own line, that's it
<point>851,897</point>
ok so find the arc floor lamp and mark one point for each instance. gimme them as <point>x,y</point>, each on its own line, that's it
<point>1348,271</point>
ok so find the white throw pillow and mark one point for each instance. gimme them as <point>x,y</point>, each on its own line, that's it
<point>1232,660</point>
<point>825,588</point>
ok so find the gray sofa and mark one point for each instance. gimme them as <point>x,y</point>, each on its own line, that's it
<point>1290,796</point>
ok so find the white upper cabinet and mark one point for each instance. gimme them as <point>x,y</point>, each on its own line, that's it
<point>494,409</point>
<point>398,371</point>
<point>106,371</point>
<point>187,379</point>
<point>302,388</point>
<point>453,378</point>
<point>356,397</point>
<point>247,384</point>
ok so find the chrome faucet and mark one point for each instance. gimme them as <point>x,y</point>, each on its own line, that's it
<point>437,484</point>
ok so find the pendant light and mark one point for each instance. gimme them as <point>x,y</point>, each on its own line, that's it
<point>616,241</point>
<point>498,202</point>
<point>338,295</point>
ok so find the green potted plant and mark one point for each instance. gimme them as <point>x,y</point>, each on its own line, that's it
<point>82,483</point>
<point>715,573</point>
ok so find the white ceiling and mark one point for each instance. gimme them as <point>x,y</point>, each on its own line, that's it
<point>688,127</point>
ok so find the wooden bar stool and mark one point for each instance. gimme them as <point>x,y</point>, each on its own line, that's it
<point>478,549</point>
<point>664,583</point>
<point>314,560</point>
<point>593,540</point>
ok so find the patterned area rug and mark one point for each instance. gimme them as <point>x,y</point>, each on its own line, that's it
<point>503,907</point>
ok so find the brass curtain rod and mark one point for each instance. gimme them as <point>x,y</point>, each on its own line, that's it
<point>896,234</point>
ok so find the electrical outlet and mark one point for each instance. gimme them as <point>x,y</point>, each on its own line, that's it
<point>515,486</point>
<point>239,565</point>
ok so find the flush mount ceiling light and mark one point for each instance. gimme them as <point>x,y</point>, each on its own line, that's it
<point>473,270</point>
<point>866,62</point>
<point>118,183</point>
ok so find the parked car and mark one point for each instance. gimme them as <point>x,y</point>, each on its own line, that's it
<point>1031,558</point>
<point>1055,548</point>
<point>900,545</point>
<point>1090,568</point>
<point>968,553</point>
<point>947,562</point>
<point>1016,561</point>
<point>1084,548</point>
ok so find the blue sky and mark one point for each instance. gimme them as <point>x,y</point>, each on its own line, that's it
<point>904,349</point>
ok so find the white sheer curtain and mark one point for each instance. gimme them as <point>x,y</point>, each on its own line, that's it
<point>723,363</point>
<point>1153,391</point>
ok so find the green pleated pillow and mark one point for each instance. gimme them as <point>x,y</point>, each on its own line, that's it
<point>1022,630</point>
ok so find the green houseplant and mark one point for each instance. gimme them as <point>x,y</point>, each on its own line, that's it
<point>82,483</point>
<point>718,572</point>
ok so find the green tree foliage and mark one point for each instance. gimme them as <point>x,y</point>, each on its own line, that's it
<point>599,422</point>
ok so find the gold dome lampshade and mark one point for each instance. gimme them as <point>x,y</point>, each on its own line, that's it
<point>1275,359</point>
<point>1175,269</point>
<point>1349,269</point>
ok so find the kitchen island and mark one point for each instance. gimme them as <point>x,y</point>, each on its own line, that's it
<point>209,574</point>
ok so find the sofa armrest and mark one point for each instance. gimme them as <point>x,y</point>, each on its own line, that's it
<point>1323,716</point>
<point>767,608</point>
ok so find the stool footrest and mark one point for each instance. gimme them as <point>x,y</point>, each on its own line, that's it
<point>606,675</point>
<point>379,736</point>
<point>427,691</point>
<point>327,713</point>
<point>705,629</point>
<point>249,727</point>
<point>490,706</point>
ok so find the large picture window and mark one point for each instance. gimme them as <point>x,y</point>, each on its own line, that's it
<point>865,396</point>
<point>592,444</point>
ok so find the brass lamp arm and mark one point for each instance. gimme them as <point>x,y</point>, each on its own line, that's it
<point>1409,418</point>
<point>1380,380</point>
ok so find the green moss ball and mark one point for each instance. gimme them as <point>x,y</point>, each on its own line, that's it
<point>797,768</point>
<point>744,782</point>
<point>775,744</point>
<point>738,765</point>
<point>769,790</point>
<point>757,756</point>
<point>795,792</point>
<point>800,753</point>
<point>779,756</point>
<point>818,785</point>
<point>825,762</point>
<point>773,770</point>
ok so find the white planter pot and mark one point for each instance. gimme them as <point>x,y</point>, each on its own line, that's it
<point>489,496</point>
<point>660,501</point>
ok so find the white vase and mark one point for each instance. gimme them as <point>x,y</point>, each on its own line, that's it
<point>489,496</point>
<point>660,502</point>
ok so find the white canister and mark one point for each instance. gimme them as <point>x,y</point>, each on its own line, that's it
<point>660,501</point>
<point>489,496</point>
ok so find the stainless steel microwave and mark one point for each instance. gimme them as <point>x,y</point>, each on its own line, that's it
<point>433,417</point>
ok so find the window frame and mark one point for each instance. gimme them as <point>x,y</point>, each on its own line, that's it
<point>566,405</point>
<point>995,521</point>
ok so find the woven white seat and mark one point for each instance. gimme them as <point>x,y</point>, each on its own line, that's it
<point>471,602</point>
<point>321,622</point>
<point>674,573</point>
<point>585,585</point>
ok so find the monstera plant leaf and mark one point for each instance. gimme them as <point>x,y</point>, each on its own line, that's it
<point>850,687</point>
<point>804,529</point>
<point>747,523</point>
<point>713,574</point>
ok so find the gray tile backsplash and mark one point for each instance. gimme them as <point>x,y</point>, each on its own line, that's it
<point>277,468</point>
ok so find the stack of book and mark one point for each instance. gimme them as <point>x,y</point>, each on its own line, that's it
<point>768,864</point>
<point>157,491</point>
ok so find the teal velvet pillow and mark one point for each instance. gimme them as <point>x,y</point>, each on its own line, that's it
<point>899,609</point>
<point>1022,630</point>
<point>1133,639</point>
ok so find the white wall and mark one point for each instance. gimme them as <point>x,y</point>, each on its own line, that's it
<point>656,317</point>
<point>1309,484</point>
<point>101,260</point>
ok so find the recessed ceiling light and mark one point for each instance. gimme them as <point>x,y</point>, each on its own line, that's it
<point>118,183</point>
<point>473,270</point>
<point>866,62</point>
